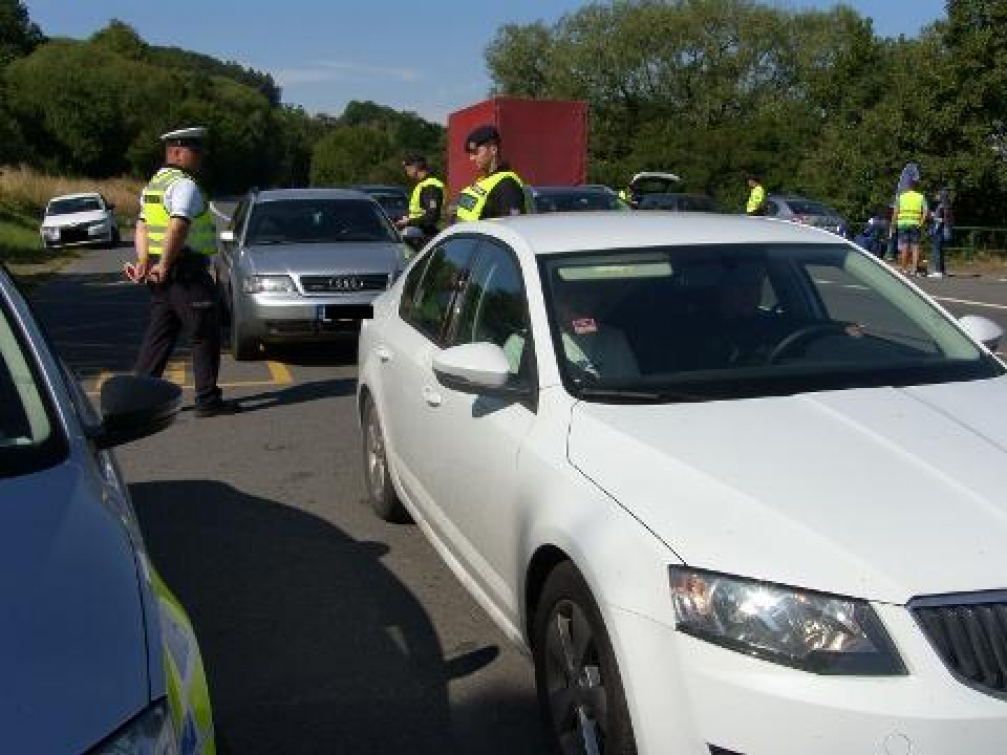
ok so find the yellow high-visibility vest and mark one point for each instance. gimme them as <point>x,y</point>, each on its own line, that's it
<point>415,210</point>
<point>756,199</point>
<point>201,238</point>
<point>912,208</point>
<point>472,200</point>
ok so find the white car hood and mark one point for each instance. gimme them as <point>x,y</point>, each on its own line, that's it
<point>879,493</point>
<point>73,218</point>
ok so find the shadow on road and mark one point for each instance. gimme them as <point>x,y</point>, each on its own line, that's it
<point>342,351</point>
<point>311,645</point>
<point>298,393</point>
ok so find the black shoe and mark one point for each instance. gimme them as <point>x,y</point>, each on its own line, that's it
<point>217,408</point>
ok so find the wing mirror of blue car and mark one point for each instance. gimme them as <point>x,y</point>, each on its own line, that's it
<point>133,407</point>
<point>987,332</point>
<point>480,368</point>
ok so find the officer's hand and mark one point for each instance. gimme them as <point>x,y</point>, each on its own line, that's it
<point>158,273</point>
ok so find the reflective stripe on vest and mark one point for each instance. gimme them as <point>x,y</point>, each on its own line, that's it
<point>911,209</point>
<point>472,200</point>
<point>415,210</point>
<point>201,238</point>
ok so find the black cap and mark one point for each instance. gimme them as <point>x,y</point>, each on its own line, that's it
<point>414,158</point>
<point>480,136</point>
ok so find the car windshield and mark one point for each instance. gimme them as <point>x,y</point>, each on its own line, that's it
<point>733,321</point>
<point>807,207</point>
<point>73,204</point>
<point>575,201</point>
<point>318,221</point>
<point>29,439</point>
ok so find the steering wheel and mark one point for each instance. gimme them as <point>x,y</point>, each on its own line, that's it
<point>803,336</point>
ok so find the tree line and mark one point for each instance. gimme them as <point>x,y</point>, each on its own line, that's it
<point>814,102</point>
<point>96,107</point>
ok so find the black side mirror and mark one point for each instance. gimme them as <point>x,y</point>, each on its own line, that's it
<point>133,407</point>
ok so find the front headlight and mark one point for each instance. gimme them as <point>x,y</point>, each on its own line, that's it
<point>150,733</point>
<point>50,232</point>
<point>258,284</point>
<point>816,632</point>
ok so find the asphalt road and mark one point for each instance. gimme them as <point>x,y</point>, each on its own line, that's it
<point>323,629</point>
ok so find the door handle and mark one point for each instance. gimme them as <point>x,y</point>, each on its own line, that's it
<point>383,353</point>
<point>432,397</point>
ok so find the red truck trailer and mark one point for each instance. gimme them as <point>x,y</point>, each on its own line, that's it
<point>545,141</point>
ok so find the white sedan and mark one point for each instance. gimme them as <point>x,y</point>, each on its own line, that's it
<point>735,485</point>
<point>79,219</point>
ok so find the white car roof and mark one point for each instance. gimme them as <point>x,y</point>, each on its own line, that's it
<point>81,195</point>
<point>552,233</point>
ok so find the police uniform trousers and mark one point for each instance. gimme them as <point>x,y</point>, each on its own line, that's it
<point>186,301</point>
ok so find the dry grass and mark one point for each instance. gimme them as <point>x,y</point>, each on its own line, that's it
<point>26,191</point>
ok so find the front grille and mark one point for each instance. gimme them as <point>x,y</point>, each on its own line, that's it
<point>344,284</point>
<point>969,633</point>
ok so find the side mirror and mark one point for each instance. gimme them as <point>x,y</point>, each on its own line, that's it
<point>133,407</point>
<point>983,330</point>
<point>227,236</point>
<point>414,237</point>
<point>477,368</point>
<point>110,205</point>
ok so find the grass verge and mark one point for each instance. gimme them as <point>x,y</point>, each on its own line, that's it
<point>21,249</point>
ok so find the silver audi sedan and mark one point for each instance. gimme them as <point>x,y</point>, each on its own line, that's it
<point>298,265</point>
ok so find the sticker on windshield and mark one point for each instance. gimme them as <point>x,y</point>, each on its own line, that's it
<point>584,325</point>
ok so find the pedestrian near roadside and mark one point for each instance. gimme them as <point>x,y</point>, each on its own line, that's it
<point>910,218</point>
<point>756,204</point>
<point>175,239</point>
<point>943,229</point>
<point>427,199</point>
<point>498,191</point>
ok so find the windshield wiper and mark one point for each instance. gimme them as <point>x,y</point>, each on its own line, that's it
<point>637,396</point>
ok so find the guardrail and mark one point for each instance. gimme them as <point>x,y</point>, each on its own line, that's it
<point>972,240</point>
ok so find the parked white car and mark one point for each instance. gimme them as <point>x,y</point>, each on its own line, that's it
<point>79,219</point>
<point>733,483</point>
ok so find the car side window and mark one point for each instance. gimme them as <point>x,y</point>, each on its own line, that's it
<point>772,208</point>
<point>494,306</point>
<point>428,299</point>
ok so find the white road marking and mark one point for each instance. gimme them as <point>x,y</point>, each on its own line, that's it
<point>971,303</point>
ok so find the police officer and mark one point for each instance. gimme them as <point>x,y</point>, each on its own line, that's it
<point>427,200</point>
<point>756,204</point>
<point>498,191</point>
<point>174,242</point>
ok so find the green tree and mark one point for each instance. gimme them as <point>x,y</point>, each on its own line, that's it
<point>18,34</point>
<point>355,154</point>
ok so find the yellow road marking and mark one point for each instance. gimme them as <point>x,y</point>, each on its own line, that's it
<point>177,369</point>
<point>281,375</point>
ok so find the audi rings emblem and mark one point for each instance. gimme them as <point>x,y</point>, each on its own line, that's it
<point>345,283</point>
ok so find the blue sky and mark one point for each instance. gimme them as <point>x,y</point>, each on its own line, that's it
<point>424,57</point>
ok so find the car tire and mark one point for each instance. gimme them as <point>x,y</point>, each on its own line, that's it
<point>580,692</point>
<point>243,347</point>
<point>380,490</point>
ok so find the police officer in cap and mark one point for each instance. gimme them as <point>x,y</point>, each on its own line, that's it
<point>427,199</point>
<point>498,191</point>
<point>174,240</point>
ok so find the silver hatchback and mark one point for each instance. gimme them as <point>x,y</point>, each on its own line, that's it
<point>298,265</point>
